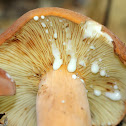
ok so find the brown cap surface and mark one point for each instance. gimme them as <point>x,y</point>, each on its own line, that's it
<point>7,84</point>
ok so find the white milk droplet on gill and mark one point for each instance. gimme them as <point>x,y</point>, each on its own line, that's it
<point>97,92</point>
<point>82,63</point>
<point>103,73</point>
<point>115,96</point>
<point>57,61</point>
<point>92,47</point>
<point>72,64</point>
<point>115,87</point>
<point>94,67</point>
<point>36,18</point>
<point>93,29</point>
<point>43,24</point>
<point>42,17</point>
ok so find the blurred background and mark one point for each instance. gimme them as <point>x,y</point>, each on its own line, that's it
<point>111,13</point>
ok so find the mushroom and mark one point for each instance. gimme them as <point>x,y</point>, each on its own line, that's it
<point>59,56</point>
<point>7,88</point>
<point>7,84</point>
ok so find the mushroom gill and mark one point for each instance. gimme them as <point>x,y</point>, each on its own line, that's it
<point>27,56</point>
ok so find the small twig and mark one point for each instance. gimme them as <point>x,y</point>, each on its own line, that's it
<point>107,12</point>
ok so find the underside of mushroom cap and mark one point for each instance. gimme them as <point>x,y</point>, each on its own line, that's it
<point>28,53</point>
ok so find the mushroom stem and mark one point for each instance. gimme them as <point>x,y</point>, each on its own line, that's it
<point>62,100</point>
<point>7,85</point>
